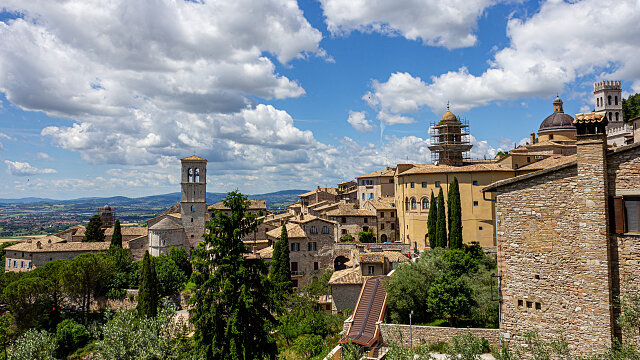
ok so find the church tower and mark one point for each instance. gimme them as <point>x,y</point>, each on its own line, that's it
<point>450,140</point>
<point>608,97</point>
<point>193,198</point>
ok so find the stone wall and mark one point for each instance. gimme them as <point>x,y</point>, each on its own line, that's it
<point>345,296</point>
<point>433,334</point>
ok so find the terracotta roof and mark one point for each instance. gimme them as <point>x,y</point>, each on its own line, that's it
<point>395,256</point>
<point>330,190</point>
<point>294,231</point>
<point>32,246</point>
<point>296,205</point>
<point>548,162</point>
<point>372,258</point>
<point>350,276</point>
<point>432,168</point>
<point>306,218</point>
<point>128,231</point>
<point>318,204</point>
<point>382,204</point>
<point>193,158</point>
<point>390,171</point>
<point>253,205</point>
<point>266,253</point>
<point>326,207</point>
<point>168,223</point>
<point>349,210</point>
<point>590,117</point>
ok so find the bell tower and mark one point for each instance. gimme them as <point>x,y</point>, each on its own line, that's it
<point>193,198</point>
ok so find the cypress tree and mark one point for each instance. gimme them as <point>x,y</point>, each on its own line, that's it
<point>280,268</point>
<point>94,231</point>
<point>431,221</point>
<point>455,216</point>
<point>116,238</point>
<point>441,222</point>
<point>148,290</point>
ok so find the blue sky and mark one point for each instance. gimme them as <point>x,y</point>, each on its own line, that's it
<point>282,94</point>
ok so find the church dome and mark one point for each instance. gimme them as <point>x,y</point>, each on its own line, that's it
<point>106,208</point>
<point>449,117</point>
<point>558,120</point>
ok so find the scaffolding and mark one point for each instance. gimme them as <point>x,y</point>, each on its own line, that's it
<point>450,142</point>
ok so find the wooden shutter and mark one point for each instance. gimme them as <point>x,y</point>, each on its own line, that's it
<point>617,211</point>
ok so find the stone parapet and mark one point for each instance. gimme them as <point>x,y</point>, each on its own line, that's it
<point>433,334</point>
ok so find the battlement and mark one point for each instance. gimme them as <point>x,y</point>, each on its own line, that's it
<point>607,85</point>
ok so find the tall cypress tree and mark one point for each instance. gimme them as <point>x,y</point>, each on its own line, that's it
<point>280,265</point>
<point>455,216</point>
<point>116,238</point>
<point>432,221</point>
<point>94,231</point>
<point>441,222</point>
<point>148,290</point>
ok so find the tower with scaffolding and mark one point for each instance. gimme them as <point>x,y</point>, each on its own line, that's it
<point>449,140</point>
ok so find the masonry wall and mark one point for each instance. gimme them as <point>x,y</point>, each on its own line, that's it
<point>354,224</point>
<point>323,254</point>
<point>553,279</point>
<point>433,334</point>
<point>345,296</point>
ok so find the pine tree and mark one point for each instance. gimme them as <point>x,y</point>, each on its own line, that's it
<point>280,268</point>
<point>94,231</point>
<point>116,238</point>
<point>432,221</point>
<point>231,313</point>
<point>455,215</point>
<point>441,222</point>
<point>148,290</point>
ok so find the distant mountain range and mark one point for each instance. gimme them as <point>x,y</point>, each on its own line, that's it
<point>273,199</point>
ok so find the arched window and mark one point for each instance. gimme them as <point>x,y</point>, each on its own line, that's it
<point>425,204</point>
<point>383,238</point>
<point>192,208</point>
<point>313,230</point>
<point>616,100</point>
<point>617,116</point>
<point>406,203</point>
<point>325,230</point>
<point>435,202</point>
<point>597,101</point>
<point>609,99</point>
<point>197,175</point>
<point>611,116</point>
<point>414,204</point>
<point>190,172</point>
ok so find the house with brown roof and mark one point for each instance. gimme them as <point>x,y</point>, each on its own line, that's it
<point>329,194</point>
<point>376,185</point>
<point>387,228</point>
<point>351,221</point>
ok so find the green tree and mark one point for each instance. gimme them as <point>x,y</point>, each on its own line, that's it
<point>450,298</point>
<point>87,276</point>
<point>432,221</point>
<point>170,278</point>
<point>280,266</point>
<point>94,231</point>
<point>441,222</point>
<point>33,345</point>
<point>116,238</point>
<point>308,345</point>
<point>180,256</point>
<point>52,271</point>
<point>70,336</point>
<point>7,330</point>
<point>347,238</point>
<point>454,208</point>
<point>125,274</point>
<point>29,300</point>
<point>365,236</point>
<point>148,295</point>
<point>231,313</point>
<point>631,107</point>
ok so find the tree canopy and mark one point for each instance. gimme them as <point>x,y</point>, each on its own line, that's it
<point>441,222</point>
<point>94,231</point>
<point>454,209</point>
<point>280,267</point>
<point>116,238</point>
<point>631,107</point>
<point>148,296</point>
<point>432,221</point>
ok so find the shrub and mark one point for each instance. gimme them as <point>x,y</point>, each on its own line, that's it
<point>70,336</point>
<point>33,345</point>
<point>365,236</point>
<point>308,345</point>
<point>347,238</point>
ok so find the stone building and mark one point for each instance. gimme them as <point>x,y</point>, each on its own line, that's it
<point>107,216</point>
<point>351,221</point>
<point>376,185</point>
<point>329,194</point>
<point>568,240</point>
<point>386,219</point>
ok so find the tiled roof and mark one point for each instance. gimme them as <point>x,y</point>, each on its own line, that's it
<point>128,231</point>
<point>296,205</point>
<point>590,117</point>
<point>433,169</point>
<point>168,223</point>
<point>32,246</point>
<point>266,253</point>
<point>350,276</point>
<point>382,204</point>
<point>193,158</point>
<point>548,162</point>
<point>390,171</point>
<point>395,256</point>
<point>372,258</point>
<point>294,231</point>
<point>307,218</point>
<point>253,205</point>
<point>326,207</point>
<point>330,190</point>
<point>349,210</point>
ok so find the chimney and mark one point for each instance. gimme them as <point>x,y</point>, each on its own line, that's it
<point>533,139</point>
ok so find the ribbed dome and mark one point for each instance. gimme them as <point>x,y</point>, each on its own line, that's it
<point>449,117</point>
<point>557,121</point>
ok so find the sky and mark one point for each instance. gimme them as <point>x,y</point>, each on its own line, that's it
<point>103,98</point>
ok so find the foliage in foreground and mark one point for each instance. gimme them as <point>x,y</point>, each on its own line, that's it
<point>33,345</point>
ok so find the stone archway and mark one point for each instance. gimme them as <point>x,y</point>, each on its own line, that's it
<point>383,238</point>
<point>340,263</point>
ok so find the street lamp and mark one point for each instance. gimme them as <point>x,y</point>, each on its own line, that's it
<point>410,330</point>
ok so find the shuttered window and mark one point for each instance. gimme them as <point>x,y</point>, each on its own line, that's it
<point>632,212</point>
<point>617,213</point>
<point>625,214</point>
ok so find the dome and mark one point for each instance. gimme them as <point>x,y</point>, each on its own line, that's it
<point>558,120</point>
<point>106,208</point>
<point>449,117</point>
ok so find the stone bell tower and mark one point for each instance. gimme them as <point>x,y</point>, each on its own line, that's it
<point>193,198</point>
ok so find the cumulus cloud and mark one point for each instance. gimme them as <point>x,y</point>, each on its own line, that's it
<point>563,43</point>
<point>438,23</point>
<point>18,168</point>
<point>359,122</point>
<point>44,156</point>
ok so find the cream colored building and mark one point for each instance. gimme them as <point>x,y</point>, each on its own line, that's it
<point>376,185</point>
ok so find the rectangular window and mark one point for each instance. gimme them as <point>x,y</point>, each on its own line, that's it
<point>480,228</point>
<point>437,184</point>
<point>21,264</point>
<point>520,302</point>
<point>475,182</point>
<point>393,214</point>
<point>632,210</point>
<point>393,226</point>
<point>294,267</point>
<point>295,246</point>
<point>343,220</point>
<point>294,283</point>
<point>371,270</point>
<point>366,220</point>
<point>371,196</point>
<point>538,306</point>
<point>316,266</point>
<point>381,226</point>
<point>413,184</point>
<point>313,230</point>
<point>344,231</point>
<point>15,264</point>
<point>9,262</point>
<point>325,229</point>
<point>528,159</point>
<point>390,181</point>
<point>363,196</point>
<point>424,184</point>
<point>382,214</point>
<point>312,246</point>
<point>475,203</point>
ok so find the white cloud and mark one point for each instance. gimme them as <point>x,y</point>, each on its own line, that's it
<point>438,23</point>
<point>18,168</point>
<point>1,147</point>
<point>44,156</point>
<point>5,136</point>
<point>564,43</point>
<point>359,122</point>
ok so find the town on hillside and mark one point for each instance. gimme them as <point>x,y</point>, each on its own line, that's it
<point>543,238</point>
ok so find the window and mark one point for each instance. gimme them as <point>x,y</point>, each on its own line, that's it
<point>413,185</point>
<point>313,246</point>
<point>425,204</point>
<point>294,267</point>
<point>528,159</point>
<point>197,175</point>
<point>480,228</point>
<point>344,232</point>
<point>617,116</point>
<point>414,204</point>
<point>406,203</point>
<point>294,283</point>
<point>609,99</point>
<point>382,214</point>
<point>316,266</point>
<point>365,228</point>
<point>390,181</point>
<point>393,226</point>
<point>371,196</point>
<point>363,196</point>
<point>21,264</point>
<point>28,264</point>
<point>192,208</point>
<point>520,303</point>
<point>191,219</point>
<point>475,203</point>
<point>611,116</point>
<point>437,184</point>
<point>381,226</point>
<point>15,263</point>
<point>295,246</point>
<point>529,304</point>
<point>598,102</point>
<point>551,137</point>
<point>393,214</point>
<point>475,182</point>
<point>366,220</point>
<point>367,182</point>
<point>538,305</point>
<point>343,219</point>
<point>9,262</point>
<point>616,100</point>
<point>632,209</point>
<point>313,230</point>
<point>190,175</point>
<point>424,184</point>
<point>371,270</point>
<point>325,229</point>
